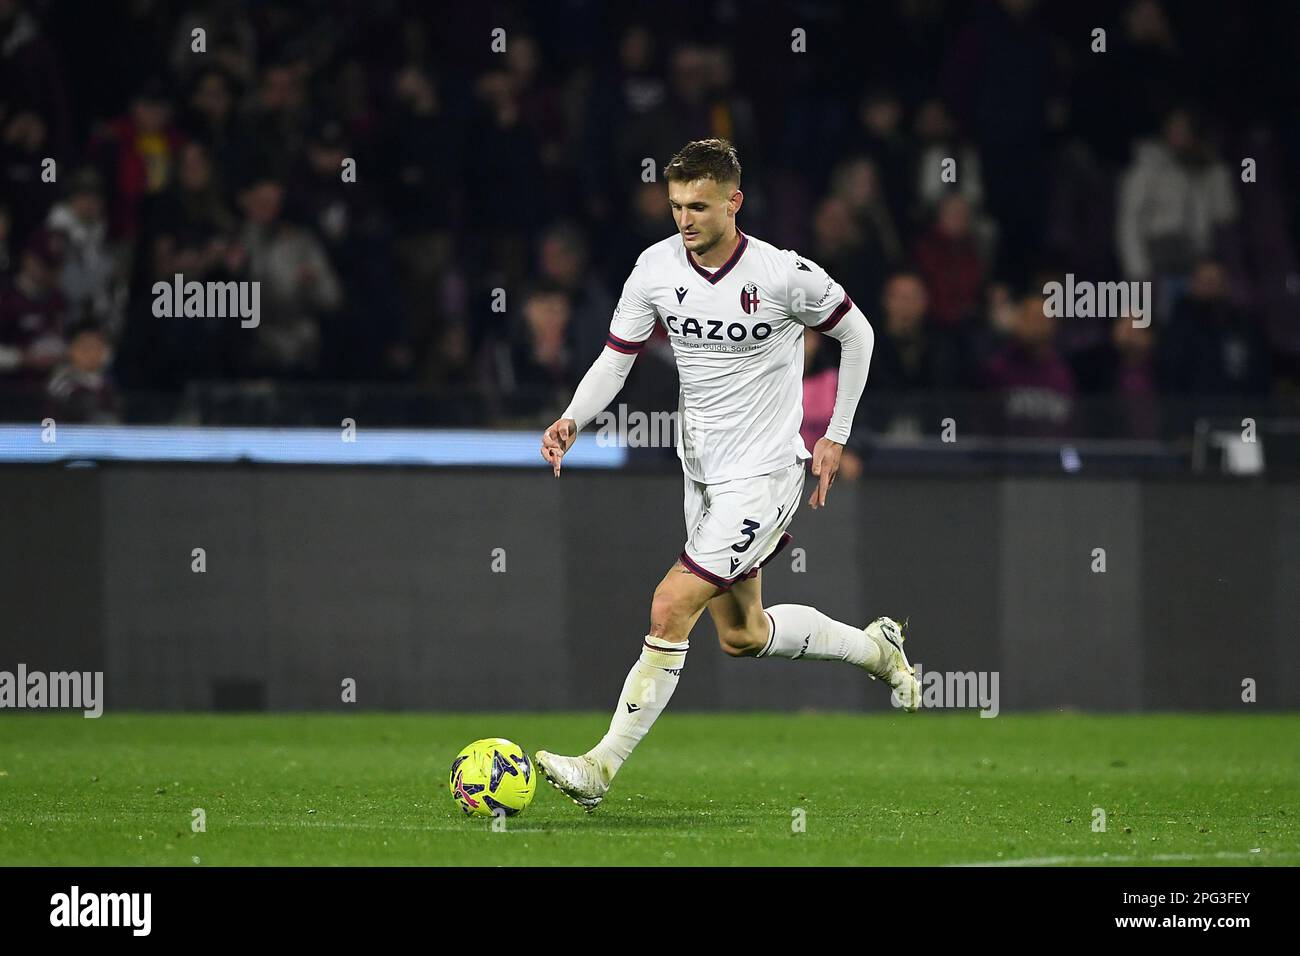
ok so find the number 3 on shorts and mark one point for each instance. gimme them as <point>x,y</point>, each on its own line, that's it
<point>747,532</point>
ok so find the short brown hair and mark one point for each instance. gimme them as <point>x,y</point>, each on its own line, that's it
<point>714,159</point>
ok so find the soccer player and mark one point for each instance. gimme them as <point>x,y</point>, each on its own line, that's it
<point>735,309</point>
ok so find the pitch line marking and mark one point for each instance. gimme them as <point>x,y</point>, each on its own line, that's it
<point>1131,858</point>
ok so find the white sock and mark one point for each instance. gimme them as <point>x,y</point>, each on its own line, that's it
<point>646,692</point>
<point>799,632</point>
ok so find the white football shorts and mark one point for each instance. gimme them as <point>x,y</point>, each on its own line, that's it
<point>735,527</point>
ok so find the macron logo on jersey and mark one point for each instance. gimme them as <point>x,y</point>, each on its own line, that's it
<point>681,293</point>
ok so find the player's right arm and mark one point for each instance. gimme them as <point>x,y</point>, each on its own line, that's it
<point>633,321</point>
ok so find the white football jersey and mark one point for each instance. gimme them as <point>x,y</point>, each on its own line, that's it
<point>737,335</point>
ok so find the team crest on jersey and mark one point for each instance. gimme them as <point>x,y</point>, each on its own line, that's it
<point>749,298</point>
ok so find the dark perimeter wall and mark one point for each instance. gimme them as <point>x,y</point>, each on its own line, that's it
<point>386,576</point>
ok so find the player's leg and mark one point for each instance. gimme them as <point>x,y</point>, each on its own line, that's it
<point>792,631</point>
<point>798,632</point>
<point>678,602</point>
<point>743,626</point>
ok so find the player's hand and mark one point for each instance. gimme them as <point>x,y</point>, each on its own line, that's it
<point>826,462</point>
<point>558,439</point>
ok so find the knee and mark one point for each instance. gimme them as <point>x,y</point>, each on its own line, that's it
<point>668,616</point>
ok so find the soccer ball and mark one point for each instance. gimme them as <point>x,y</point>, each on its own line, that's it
<point>492,776</point>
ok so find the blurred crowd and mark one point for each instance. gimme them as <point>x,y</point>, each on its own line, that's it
<point>501,196</point>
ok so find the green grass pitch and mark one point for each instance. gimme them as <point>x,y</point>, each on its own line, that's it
<point>891,789</point>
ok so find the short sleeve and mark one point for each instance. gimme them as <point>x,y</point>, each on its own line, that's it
<point>634,316</point>
<point>815,299</point>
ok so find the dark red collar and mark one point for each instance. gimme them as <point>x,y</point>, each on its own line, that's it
<point>714,278</point>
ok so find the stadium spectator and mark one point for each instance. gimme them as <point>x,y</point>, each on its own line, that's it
<point>543,369</point>
<point>209,117</point>
<point>1118,379</point>
<point>89,279</point>
<point>137,152</point>
<point>505,151</point>
<point>188,230</point>
<point>855,183</point>
<point>298,285</point>
<point>32,78</point>
<point>881,137</point>
<point>1080,215</point>
<point>908,356</point>
<point>1211,347</point>
<point>270,129</point>
<point>231,37</point>
<point>628,89</point>
<point>913,364</point>
<point>1034,385</point>
<point>33,312</point>
<point>1000,78</point>
<point>366,336</point>
<point>839,248</point>
<point>540,106</point>
<point>948,257</point>
<point>420,145</point>
<point>80,390</point>
<point>982,339</point>
<point>948,163</point>
<point>701,102</point>
<point>24,145</point>
<point>562,259</point>
<point>1173,199</point>
<point>1120,97</point>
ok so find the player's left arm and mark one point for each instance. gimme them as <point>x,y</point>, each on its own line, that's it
<point>820,303</point>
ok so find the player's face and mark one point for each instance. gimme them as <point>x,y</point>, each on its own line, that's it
<point>703,211</point>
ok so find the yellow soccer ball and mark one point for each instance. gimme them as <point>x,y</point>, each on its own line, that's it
<point>492,777</point>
